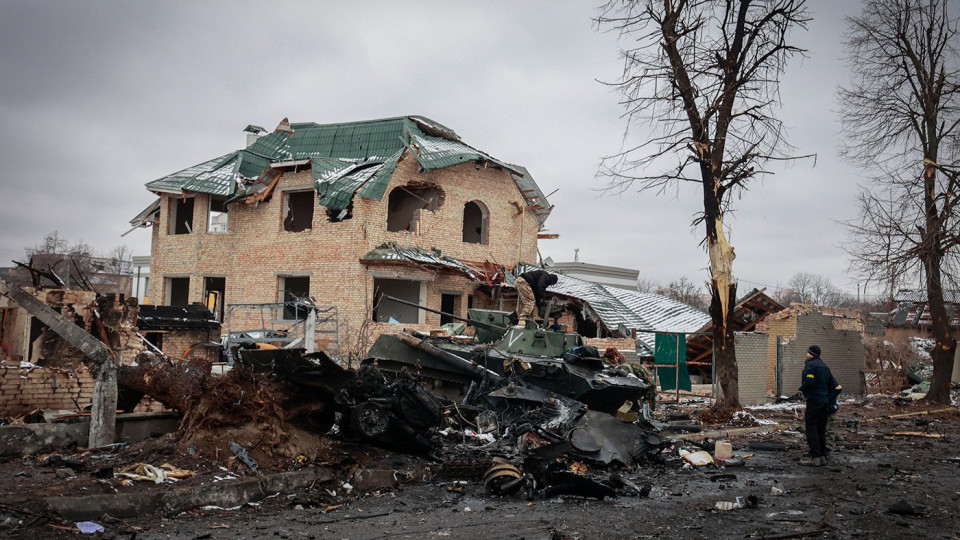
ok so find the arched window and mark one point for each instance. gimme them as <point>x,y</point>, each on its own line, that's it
<point>475,222</point>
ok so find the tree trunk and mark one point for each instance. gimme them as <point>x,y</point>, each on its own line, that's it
<point>723,298</point>
<point>176,384</point>
<point>725,357</point>
<point>945,344</point>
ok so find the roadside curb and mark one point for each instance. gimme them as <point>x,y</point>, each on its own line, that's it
<point>225,494</point>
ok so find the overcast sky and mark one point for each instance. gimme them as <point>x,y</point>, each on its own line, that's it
<point>97,98</point>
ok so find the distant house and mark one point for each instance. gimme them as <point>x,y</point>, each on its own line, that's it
<point>80,272</point>
<point>911,317</point>
<point>622,278</point>
<point>344,213</point>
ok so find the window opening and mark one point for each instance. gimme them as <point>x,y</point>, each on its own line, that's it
<point>385,310</point>
<point>178,291</point>
<point>407,202</point>
<point>448,304</point>
<point>474,223</point>
<point>181,215</point>
<point>336,216</point>
<point>292,290</point>
<point>214,291</point>
<point>155,339</point>
<point>217,222</point>
<point>298,211</point>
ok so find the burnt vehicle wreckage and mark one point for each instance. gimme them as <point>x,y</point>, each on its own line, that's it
<point>525,409</point>
<point>521,408</point>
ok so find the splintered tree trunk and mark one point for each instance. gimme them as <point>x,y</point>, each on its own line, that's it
<point>723,291</point>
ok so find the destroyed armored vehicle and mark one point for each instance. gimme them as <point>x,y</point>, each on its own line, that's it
<point>531,357</point>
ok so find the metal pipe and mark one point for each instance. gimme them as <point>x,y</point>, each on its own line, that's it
<point>479,324</point>
<point>452,359</point>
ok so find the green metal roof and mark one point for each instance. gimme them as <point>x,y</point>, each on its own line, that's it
<point>355,158</point>
<point>391,252</point>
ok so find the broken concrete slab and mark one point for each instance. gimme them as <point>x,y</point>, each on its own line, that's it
<point>371,479</point>
<point>26,439</point>
<point>23,439</point>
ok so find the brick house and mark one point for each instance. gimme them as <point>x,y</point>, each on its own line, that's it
<point>338,212</point>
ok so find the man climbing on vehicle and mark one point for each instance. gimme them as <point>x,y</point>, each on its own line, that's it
<point>531,288</point>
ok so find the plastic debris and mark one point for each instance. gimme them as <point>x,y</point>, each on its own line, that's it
<point>697,459</point>
<point>90,527</point>
<point>158,475</point>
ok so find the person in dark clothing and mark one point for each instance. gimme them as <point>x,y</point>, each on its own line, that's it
<point>817,387</point>
<point>531,287</point>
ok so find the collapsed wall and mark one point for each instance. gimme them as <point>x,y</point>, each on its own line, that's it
<point>41,371</point>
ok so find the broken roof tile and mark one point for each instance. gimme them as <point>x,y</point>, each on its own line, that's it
<point>393,253</point>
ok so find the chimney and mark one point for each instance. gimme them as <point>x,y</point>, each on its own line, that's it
<point>253,133</point>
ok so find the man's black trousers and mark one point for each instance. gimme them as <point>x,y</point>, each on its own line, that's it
<point>816,424</point>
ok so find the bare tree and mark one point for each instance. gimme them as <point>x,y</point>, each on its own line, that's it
<point>684,290</point>
<point>70,265</point>
<point>52,243</point>
<point>647,285</point>
<point>704,75</point>
<point>814,289</point>
<point>902,116</point>
<point>119,260</point>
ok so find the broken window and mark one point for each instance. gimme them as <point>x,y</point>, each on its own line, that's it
<point>406,203</point>
<point>298,211</point>
<point>181,216</point>
<point>449,303</point>
<point>217,222</point>
<point>178,291</point>
<point>292,290</point>
<point>386,310</point>
<point>336,216</point>
<point>214,289</point>
<point>475,218</point>
<point>155,339</point>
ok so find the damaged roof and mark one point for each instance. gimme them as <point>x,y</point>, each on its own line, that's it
<point>391,252</point>
<point>620,309</point>
<point>346,159</point>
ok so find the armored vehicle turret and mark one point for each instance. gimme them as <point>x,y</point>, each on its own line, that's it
<point>500,354</point>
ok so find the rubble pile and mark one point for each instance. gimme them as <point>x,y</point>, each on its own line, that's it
<point>507,429</point>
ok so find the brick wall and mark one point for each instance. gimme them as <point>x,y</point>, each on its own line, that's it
<point>842,350</point>
<point>177,342</point>
<point>752,367</point>
<point>776,326</point>
<point>26,390</point>
<point>256,250</point>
